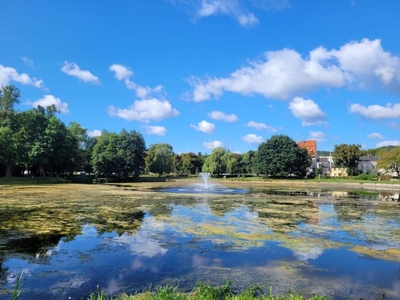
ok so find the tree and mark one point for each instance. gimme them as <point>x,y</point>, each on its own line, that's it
<point>159,159</point>
<point>177,164</point>
<point>215,162</point>
<point>118,155</point>
<point>133,149</point>
<point>346,156</point>
<point>9,96</point>
<point>390,160</point>
<point>191,163</point>
<point>280,156</point>
<point>248,162</point>
<point>45,135</point>
<point>233,163</point>
<point>7,148</point>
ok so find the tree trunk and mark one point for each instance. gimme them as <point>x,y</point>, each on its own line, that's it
<point>41,171</point>
<point>8,171</point>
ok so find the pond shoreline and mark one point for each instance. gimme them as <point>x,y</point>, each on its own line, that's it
<point>304,184</point>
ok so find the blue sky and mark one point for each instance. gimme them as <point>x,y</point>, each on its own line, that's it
<point>205,73</point>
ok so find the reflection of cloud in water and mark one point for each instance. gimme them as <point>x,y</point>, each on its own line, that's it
<point>114,286</point>
<point>312,253</point>
<point>72,282</point>
<point>242,213</point>
<point>50,252</point>
<point>151,223</point>
<point>199,261</point>
<point>141,245</point>
<point>396,289</point>
<point>12,277</point>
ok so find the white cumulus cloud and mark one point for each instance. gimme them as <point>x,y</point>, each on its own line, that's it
<point>213,145</point>
<point>388,143</point>
<point>375,136</point>
<point>204,126</point>
<point>145,110</point>
<point>261,126</point>
<point>72,69</point>
<point>48,100</point>
<point>143,92</point>
<point>121,72</point>
<point>376,112</point>
<point>252,139</point>
<point>8,74</point>
<point>283,74</point>
<point>308,111</point>
<point>157,130</point>
<point>94,133</point>
<point>219,115</point>
<point>319,136</point>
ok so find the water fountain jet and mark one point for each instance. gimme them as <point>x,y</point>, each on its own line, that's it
<point>205,186</point>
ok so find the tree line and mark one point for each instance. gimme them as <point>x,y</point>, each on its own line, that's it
<point>37,142</point>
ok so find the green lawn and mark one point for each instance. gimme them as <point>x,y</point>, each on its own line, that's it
<point>30,181</point>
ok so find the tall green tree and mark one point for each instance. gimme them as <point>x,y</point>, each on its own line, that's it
<point>390,160</point>
<point>9,97</point>
<point>280,156</point>
<point>46,134</point>
<point>191,163</point>
<point>177,164</point>
<point>133,147</point>
<point>233,163</point>
<point>159,159</point>
<point>77,140</point>
<point>215,162</point>
<point>105,160</point>
<point>119,155</point>
<point>248,162</point>
<point>347,156</point>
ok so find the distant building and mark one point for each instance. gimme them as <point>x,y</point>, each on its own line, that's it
<point>311,147</point>
<point>367,163</point>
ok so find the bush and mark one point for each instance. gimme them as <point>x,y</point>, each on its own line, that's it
<point>366,177</point>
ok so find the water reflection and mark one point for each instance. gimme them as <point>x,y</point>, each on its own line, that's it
<point>326,242</point>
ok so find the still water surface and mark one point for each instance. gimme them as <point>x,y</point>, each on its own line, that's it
<point>329,243</point>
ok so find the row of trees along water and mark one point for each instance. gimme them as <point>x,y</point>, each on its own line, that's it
<point>37,142</point>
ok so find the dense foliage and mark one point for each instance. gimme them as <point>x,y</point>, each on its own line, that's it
<point>36,140</point>
<point>159,159</point>
<point>280,156</point>
<point>347,156</point>
<point>390,160</point>
<point>119,155</point>
<point>215,163</point>
<point>188,163</point>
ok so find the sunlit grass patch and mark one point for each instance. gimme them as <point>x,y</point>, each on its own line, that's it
<point>207,292</point>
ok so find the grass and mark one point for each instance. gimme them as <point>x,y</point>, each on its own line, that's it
<point>87,179</point>
<point>200,292</point>
<point>17,290</point>
<point>31,181</point>
<point>206,292</point>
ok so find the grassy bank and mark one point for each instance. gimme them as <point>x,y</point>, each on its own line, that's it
<point>206,292</point>
<point>88,179</point>
<point>31,181</point>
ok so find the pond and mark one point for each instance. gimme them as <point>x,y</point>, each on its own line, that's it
<point>68,240</point>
